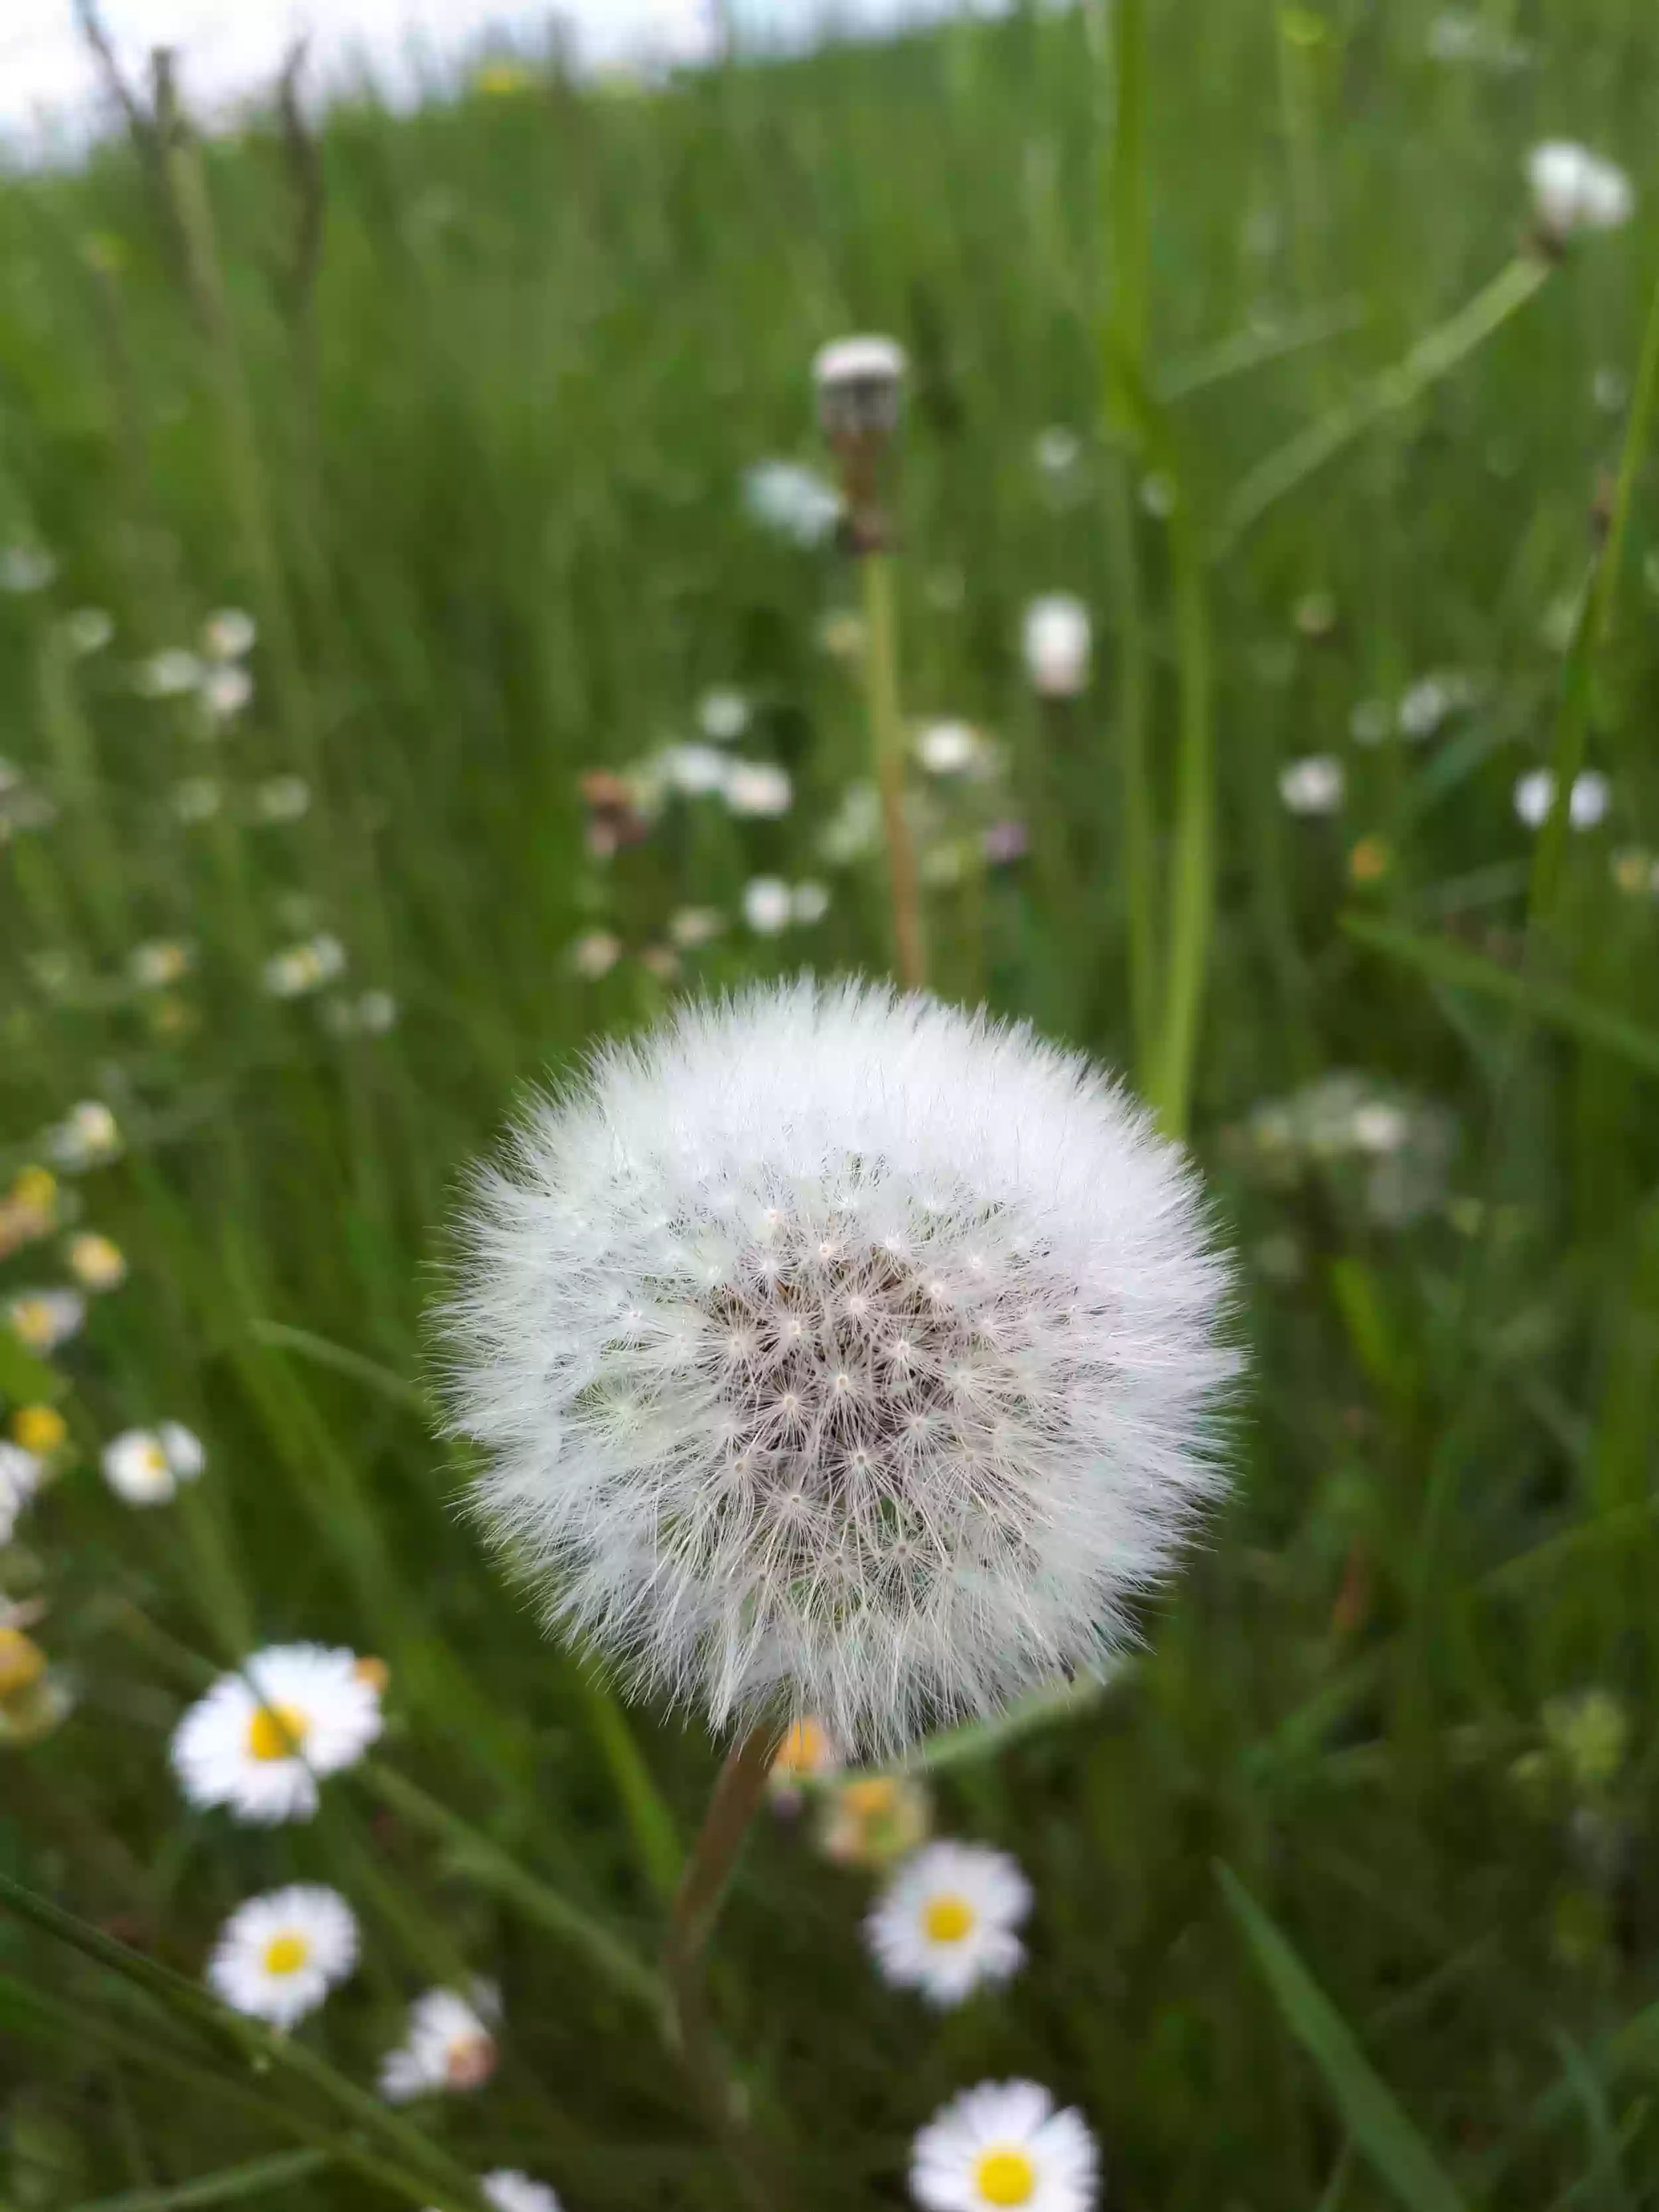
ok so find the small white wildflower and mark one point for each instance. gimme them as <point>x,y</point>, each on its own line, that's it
<point>795,502</point>
<point>1014,1275</point>
<point>302,968</point>
<point>1158,495</point>
<point>1371,722</point>
<point>509,2191</point>
<point>1002,2144</point>
<point>21,1474</point>
<point>1057,450</point>
<point>855,829</point>
<point>723,715</point>
<point>258,1741</point>
<point>88,630</point>
<point>809,903</point>
<point>1586,805</point>
<point>88,1135</point>
<point>42,1320</point>
<point>1313,785</point>
<point>948,748</point>
<point>1574,190</point>
<point>1057,640</point>
<point>160,963</point>
<point>96,1262</point>
<point>595,954</point>
<point>170,675</point>
<point>448,2046</point>
<point>225,691</point>
<point>1425,708</point>
<point>766,905</point>
<point>282,798</point>
<point>145,1467</point>
<point>692,769</point>
<point>370,1013</point>
<point>690,926</point>
<point>26,569</point>
<point>1610,390</point>
<point>229,634</point>
<point>945,1922</point>
<point>758,789</point>
<point>858,381</point>
<point>278,1956</point>
<point>197,799</point>
<point>1380,1127</point>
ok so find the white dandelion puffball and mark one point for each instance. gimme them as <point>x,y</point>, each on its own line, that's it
<point>1057,640</point>
<point>449,2046</point>
<point>839,1354</point>
<point>278,1956</point>
<point>145,1467</point>
<point>1313,785</point>
<point>20,1478</point>
<point>1587,802</point>
<point>1574,190</point>
<point>1003,2144</point>
<point>945,1922</point>
<point>258,1741</point>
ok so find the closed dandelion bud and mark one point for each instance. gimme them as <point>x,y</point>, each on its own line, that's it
<point>839,1354</point>
<point>858,381</point>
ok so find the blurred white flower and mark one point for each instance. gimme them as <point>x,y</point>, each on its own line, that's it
<point>225,691</point>
<point>766,905</point>
<point>228,634</point>
<point>20,1473</point>
<point>1574,190</point>
<point>1381,1127</point>
<point>853,831</point>
<point>145,1467</point>
<point>88,1135</point>
<point>1002,2144</point>
<point>692,769</point>
<point>197,799</point>
<point>949,748</point>
<point>278,1956</point>
<point>1610,390</point>
<point>258,1741</point>
<point>809,903</point>
<point>945,1922</point>
<point>370,1013</point>
<point>1425,706</point>
<point>1313,785</point>
<point>97,1263</point>
<point>963,1482</point>
<point>595,954</point>
<point>1057,640</point>
<point>300,969</point>
<point>25,568</point>
<point>759,789</point>
<point>448,2046</point>
<point>1586,805</point>
<point>723,715</point>
<point>509,2191</point>
<point>1057,450</point>
<point>794,501</point>
<point>88,630</point>
<point>161,962</point>
<point>858,382</point>
<point>42,1320</point>
<point>690,926</point>
<point>840,634</point>
<point>1371,722</point>
<point>1158,495</point>
<point>282,798</point>
<point>170,675</point>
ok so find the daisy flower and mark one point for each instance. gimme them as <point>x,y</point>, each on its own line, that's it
<point>723,715</point>
<point>21,1471</point>
<point>88,630</point>
<point>793,501</point>
<point>145,1467</point>
<point>278,1956</point>
<point>873,1819</point>
<point>161,962</point>
<point>1574,190</point>
<point>226,690</point>
<point>302,968</point>
<point>595,954</point>
<point>945,1922</point>
<point>1056,640</point>
<point>1002,2144</point>
<point>758,789</point>
<point>1587,803</point>
<point>258,1741</point>
<point>841,1354</point>
<point>693,770</point>
<point>1313,785</point>
<point>692,927</point>
<point>170,675</point>
<point>25,568</point>
<point>509,2191</point>
<point>88,1135</point>
<point>948,748</point>
<point>97,1263</point>
<point>768,907</point>
<point>43,1320</point>
<point>809,903</point>
<point>448,2046</point>
<point>228,633</point>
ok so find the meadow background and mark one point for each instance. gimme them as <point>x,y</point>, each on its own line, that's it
<point>459,403</point>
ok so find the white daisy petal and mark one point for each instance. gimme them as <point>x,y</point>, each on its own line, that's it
<point>258,1741</point>
<point>278,1956</point>
<point>1003,2144</point>
<point>945,1922</point>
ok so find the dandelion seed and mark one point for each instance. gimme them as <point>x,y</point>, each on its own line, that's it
<point>448,2046</point>
<point>21,1472</point>
<point>88,1136</point>
<point>96,1262</point>
<point>1574,190</point>
<point>88,630</point>
<point>229,634</point>
<point>945,1922</point>
<point>162,961</point>
<point>1004,2144</point>
<point>25,569</point>
<point>282,798</point>
<point>1313,785</point>
<point>196,799</point>
<point>300,970</point>
<point>793,501</point>
<point>595,955</point>
<point>723,715</point>
<point>174,674</point>
<point>883,1594</point>
<point>260,1740</point>
<point>278,1956</point>
<point>1587,803</point>
<point>42,1320</point>
<point>1056,640</point>
<point>758,789</point>
<point>145,1467</point>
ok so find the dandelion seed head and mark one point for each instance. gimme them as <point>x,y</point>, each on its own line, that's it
<point>848,1473</point>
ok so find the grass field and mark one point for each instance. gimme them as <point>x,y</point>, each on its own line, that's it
<point>1347,1889</point>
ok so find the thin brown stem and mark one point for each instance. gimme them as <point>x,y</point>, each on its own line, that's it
<point>887,730</point>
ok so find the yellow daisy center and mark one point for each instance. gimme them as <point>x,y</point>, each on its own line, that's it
<point>31,1319</point>
<point>286,1954</point>
<point>947,1919</point>
<point>276,1732</point>
<point>868,1801</point>
<point>40,1429</point>
<point>155,1460</point>
<point>1004,2177</point>
<point>22,1664</point>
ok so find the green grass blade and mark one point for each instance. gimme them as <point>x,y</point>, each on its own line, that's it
<point>655,1837</point>
<point>340,1359</point>
<point>230,2184</point>
<point>974,1741</point>
<point>1374,2117</point>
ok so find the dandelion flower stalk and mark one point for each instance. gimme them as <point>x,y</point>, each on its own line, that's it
<point>887,728</point>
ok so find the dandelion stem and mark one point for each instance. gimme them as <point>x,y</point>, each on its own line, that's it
<point>1192,882</point>
<point>1433,357</point>
<point>887,734</point>
<point>736,1800</point>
